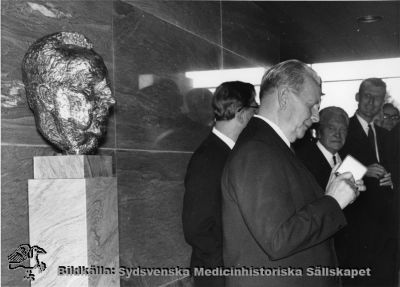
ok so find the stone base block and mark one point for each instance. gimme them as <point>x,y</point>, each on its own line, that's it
<point>75,220</point>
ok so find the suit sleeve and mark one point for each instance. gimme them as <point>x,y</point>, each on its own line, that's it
<point>201,208</point>
<point>265,190</point>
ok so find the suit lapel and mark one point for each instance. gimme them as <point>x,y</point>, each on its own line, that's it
<point>357,130</point>
<point>325,164</point>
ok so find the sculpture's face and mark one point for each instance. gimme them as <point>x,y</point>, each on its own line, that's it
<point>80,111</point>
<point>68,90</point>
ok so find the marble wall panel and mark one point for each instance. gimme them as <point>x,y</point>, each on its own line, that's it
<point>16,169</point>
<point>150,194</point>
<point>232,60</point>
<point>22,23</point>
<point>151,58</point>
<point>251,34</point>
<point>185,282</point>
<point>199,17</point>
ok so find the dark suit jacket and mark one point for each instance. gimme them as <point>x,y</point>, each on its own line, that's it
<point>275,215</point>
<point>371,221</point>
<point>372,204</point>
<point>202,202</point>
<point>315,161</point>
<point>394,152</point>
<point>395,162</point>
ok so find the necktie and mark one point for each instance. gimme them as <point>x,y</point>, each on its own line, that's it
<point>371,139</point>
<point>334,160</point>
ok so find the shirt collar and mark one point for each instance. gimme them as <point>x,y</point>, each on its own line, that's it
<point>364,124</point>
<point>275,128</point>
<point>327,154</point>
<point>227,140</point>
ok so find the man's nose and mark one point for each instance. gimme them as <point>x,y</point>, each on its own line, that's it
<point>337,134</point>
<point>111,101</point>
<point>109,98</point>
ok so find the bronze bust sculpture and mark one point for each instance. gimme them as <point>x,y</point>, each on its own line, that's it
<point>68,90</point>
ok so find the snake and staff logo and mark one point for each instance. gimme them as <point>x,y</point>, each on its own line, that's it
<point>21,256</point>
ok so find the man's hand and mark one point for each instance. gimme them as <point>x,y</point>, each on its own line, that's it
<point>360,185</point>
<point>375,170</point>
<point>386,180</point>
<point>343,188</point>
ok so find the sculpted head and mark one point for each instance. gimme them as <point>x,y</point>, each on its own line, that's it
<point>68,90</point>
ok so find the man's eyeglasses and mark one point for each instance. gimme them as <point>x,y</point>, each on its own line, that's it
<point>392,117</point>
<point>255,107</point>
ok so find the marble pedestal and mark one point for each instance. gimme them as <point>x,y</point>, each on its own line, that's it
<point>73,216</point>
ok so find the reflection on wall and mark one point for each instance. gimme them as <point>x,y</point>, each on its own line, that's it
<point>198,106</point>
<point>148,46</point>
<point>171,125</point>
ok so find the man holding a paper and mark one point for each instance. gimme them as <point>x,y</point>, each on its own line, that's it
<point>275,215</point>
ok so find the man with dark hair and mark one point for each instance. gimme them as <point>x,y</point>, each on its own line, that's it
<point>369,238</point>
<point>275,215</point>
<point>233,104</point>
<point>322,156</point>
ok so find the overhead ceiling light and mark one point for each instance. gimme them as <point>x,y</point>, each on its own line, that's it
<point>369,19</point>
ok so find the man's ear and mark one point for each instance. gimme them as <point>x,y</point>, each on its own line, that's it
<point>45,97</point>
<point>283,97</point>
<point>357,97</point>
<point>240,116</point>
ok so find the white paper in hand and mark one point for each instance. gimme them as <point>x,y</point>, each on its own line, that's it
<point>354,166</point>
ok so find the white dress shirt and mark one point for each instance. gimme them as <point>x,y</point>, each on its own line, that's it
<point>229,142</point>
<point>328,155</point>
<point>275,128</point>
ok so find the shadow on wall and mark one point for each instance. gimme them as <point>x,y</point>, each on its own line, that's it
<point>198,106</point>
<point>173,120</point>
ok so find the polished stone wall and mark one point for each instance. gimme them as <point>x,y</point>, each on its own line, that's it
<point>159,118</point>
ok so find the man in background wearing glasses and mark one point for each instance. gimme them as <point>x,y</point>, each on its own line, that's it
<point>233,105</point>
<point>389,118</point>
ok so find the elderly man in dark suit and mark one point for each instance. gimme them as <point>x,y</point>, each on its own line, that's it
<point>369,238</point>
<point>322,156</point>
<point>233,104</point>
<point>275,215</point>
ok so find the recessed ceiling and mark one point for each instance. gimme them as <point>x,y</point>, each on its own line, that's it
<point>329,31</point>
